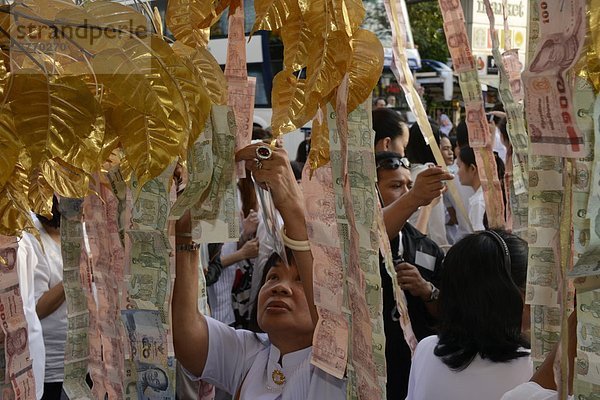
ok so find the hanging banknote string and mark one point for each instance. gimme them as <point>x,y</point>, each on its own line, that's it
<point>15,357</point>
<point>330,343</point>
<point>353,168</point>
<point>479,134</point>
<point>403,74</point>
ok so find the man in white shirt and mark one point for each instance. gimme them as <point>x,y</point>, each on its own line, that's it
<point>29,257</point>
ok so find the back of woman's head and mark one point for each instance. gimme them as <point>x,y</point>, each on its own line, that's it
<point>418,151</point>
<point>467,156</point>
<point>481,299</point>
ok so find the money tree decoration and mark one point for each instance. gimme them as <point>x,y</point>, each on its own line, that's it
<point>82,82</point>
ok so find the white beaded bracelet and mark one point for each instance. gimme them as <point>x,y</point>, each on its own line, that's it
<point>296,245</point>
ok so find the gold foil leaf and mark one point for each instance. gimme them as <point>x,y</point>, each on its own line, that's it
<point>328,59</point>
<point>210,73</point>
<point>81,31</point>
<point>14,205</point>
<point>76,129</point>
<point>149,144</point>
<point>272,14</point>
<point>319,141</point>
<point>47,9</point>
<point>126,82</point>
<point>365,67</point>
<point>65,180</point>
<point>40,194</point>
<point>187,19</point>
<point>29,101</point>
<point>118,16</point>
<point>161,67</point>
<point>295,38</point>
<point>348,15</point>
<point>593,50</point>
<point>289,106</point>
<point>10,146</point>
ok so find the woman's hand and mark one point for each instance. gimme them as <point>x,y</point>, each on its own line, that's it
<point>274,173</point>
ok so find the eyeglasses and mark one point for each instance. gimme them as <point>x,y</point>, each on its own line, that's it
<point>394,163</point>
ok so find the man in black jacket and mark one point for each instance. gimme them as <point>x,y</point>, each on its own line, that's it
<point>418,267</point>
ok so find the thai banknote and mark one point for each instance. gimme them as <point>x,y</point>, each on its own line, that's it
<point>199,167</point>
<point>587,363</point>
<point>330,342</point>
<point>146,335</point>
<point>76,346</point>
<point>545,330</point>
<point>240,88</point>
<point>401,69</point>
<point>18,376</point>
<point>240,96</point>
<point>353,168</point>
<point>479,134</point>
<point>215,218</point>
<point>331,334</point>
<point>548,92</point>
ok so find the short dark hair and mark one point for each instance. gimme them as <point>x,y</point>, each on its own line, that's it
<point>417,151</point>
<point>387,123</point>
<point>462,134</point>
<point>481,301</point>
<point>467,155</point>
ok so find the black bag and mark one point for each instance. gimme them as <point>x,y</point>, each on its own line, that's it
<point>240,295</point>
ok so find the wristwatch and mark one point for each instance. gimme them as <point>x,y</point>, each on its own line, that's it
<point>435,293</point>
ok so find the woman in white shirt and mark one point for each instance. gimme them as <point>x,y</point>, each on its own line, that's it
<point>468,175</point>
<point>270,366</point>
<point>479,352</point>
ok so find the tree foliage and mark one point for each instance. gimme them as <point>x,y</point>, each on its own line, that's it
<point>428,30</point>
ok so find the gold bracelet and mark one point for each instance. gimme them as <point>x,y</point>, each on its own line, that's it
<point>296,245</point>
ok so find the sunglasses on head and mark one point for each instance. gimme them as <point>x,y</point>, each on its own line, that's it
<point>394,163</point>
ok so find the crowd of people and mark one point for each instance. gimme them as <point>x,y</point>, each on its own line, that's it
<point>467,312</point>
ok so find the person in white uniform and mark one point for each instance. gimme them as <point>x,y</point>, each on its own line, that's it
<point>30,257</point>
<point>480,351</point>
<point>276,364</point>
<point>51,306</point>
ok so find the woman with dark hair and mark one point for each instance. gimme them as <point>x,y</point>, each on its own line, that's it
<point>431,219</point>
<point>276,364</point>
<point>468,175</point>
<point>480,351</point>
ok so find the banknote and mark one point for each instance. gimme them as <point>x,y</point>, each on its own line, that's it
<point>76,346</point>
<point>594,199</point>
<point>151,205</point>
<point>545,330</point>
<point>119,190</point>
<point>240,96</point>
<point>215,219</point>
<point>352,161</point>
<point>18,375</point>
<point>319,199</point>
<point>146,335</point>
<point>330,342</point>
<point>548,93</point>
<point>156,382</point>
<point>395,10</point>
<point>199,166</point>
<point>587,363</point>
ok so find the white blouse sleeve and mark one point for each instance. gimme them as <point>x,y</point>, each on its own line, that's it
<point>230,355</point>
